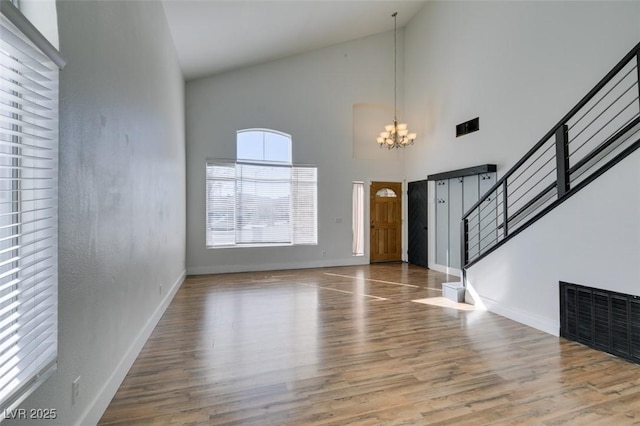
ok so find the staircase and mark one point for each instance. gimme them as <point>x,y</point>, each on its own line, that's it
<point>599,132</point>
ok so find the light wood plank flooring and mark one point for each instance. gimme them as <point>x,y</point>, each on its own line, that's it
<point>350,346</point>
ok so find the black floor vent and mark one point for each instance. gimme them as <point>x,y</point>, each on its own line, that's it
<point>601,319</point>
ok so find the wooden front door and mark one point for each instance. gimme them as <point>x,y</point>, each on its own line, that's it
<point>386,221</point>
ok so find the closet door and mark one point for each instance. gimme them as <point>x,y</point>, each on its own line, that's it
<point>417,215</point>
<point>488,212</point>
<point>442,222</point>
<point>455,216</point>
<point>470,189</point>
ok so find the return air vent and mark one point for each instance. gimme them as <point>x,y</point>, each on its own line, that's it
<point>601,319</point>
<point>468,127</point>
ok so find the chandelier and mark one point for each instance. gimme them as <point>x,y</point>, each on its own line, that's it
<point>395,135</point>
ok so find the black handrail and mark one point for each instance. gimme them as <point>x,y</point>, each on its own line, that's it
<point>558,135</point>
<point>552,206</point>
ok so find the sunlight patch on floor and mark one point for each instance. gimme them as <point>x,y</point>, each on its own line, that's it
<point>445,303</point>
<point>371,279</point>
<point>344,291</point>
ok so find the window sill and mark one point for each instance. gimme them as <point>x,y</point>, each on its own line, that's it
<point>236,246</point>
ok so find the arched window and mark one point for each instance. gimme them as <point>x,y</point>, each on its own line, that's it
<point>261,199</point>
<point>263,145</point>
<point>385,192</point>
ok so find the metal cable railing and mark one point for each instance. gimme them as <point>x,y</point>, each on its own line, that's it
<point>601,130</point>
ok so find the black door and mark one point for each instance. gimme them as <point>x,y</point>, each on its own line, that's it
<point>417,200</point>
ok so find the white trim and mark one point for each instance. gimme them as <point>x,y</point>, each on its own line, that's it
<point>97,407</point>
<point>446,270</point>
<point>225,269</point>
<point>13,14</point>
<point>526,318</point>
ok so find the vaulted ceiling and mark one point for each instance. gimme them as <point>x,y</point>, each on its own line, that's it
<point>213,36</point>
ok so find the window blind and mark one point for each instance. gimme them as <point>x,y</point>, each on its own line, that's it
<point>28,213</point>
<point>221,204</point>
<point>263,204</point>
<point>305,209</point>
<point>357,222</point>
<point>256,204</point>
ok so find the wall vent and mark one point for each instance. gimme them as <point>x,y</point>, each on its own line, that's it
<point>601,319</point>
<point>467,127</point>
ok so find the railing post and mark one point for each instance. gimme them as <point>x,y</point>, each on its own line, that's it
<point>505,214</point>
<point>562,159</point>
<point>464,242</point>
<point>464,249</point>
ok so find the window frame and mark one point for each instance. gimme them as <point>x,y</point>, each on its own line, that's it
<point>302,228</point>
<point>289,159</point>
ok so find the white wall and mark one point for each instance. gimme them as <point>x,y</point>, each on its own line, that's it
<point>122,197</point>
<point>519,66</point>
<point>324,100</point>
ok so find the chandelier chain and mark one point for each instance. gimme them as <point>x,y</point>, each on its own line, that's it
<point>395,135</point>
<point>395,66</point>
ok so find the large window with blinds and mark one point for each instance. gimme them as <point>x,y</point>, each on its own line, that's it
<point>260,199</point>
<point>29,68</point>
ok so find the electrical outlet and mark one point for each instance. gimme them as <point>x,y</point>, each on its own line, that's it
<point>160,289</point>
<point>75,390</point>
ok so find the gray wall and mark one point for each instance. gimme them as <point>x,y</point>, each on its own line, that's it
<point>122,196</point>
<point>520,66</point>
<point>333,102</point>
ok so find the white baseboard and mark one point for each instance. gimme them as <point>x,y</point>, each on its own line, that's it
<point>526,318</point>
<point>225,269</point>
<point>96,409</point>
<point>445,270</point>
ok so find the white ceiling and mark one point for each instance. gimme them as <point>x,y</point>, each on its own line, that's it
<point>213,36</point>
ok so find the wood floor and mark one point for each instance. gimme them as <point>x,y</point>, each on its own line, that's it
<point>351,346</point>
